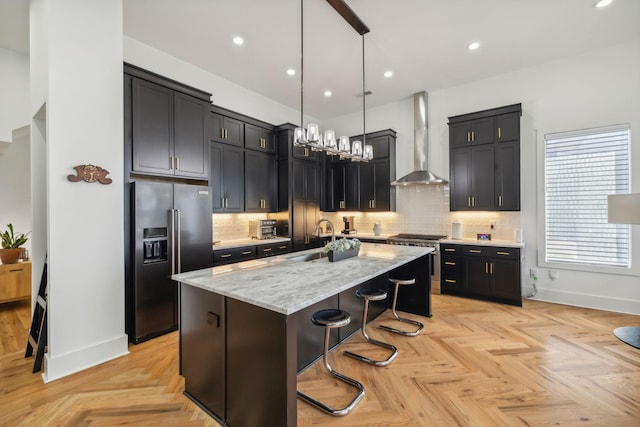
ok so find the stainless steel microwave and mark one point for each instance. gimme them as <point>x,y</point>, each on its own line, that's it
<point>262,229</point>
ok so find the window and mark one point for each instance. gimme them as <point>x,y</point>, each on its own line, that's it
<point>581,169</point>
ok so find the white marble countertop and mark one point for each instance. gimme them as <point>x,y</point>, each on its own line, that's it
<point>503,243</point>
<point>285,284</point>
<point>239,243</point>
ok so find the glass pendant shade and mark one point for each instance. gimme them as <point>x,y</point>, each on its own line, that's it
<point>330,143</point>
<point>313,133</point>
<point>356,148</point>
<point>344,145</point>
<point>368,152</point>
<point>299,136</point>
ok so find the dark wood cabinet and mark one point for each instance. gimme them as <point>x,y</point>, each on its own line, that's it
<point>258,138</point>
<point>227,177</point>
<point>202,344</point>
<point>485,272</point>
<point>484,160</point>
<point>272,249</point>
<point>366,186</point>
<point>260,182</point>
<point>225,129</point>
<point>233,255</point>
<point>167,131</point>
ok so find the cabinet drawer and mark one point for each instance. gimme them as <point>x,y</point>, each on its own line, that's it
<point>228,256</point>
<point>492,251</point>
<point>451,263</point>
<point>451,280</point>
<point>447,249</point>
<point>272,249</point>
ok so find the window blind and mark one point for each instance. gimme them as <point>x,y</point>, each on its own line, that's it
<point>581,169</point>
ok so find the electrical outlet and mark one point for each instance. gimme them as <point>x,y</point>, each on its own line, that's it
<point>533,273</point>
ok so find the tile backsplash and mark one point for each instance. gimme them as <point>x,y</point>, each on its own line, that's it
<point>420,210</point>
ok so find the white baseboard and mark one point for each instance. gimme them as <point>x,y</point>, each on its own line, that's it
<point>598,302</point>
<point>70,363</point>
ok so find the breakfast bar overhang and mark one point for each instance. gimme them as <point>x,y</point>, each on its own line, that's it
<point>242,338</point>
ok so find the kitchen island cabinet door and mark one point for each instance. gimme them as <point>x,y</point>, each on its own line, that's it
<point>202,348</point>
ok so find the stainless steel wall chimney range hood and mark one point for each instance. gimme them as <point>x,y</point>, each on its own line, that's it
<point>420,175</point>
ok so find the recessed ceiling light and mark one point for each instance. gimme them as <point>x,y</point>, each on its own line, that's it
<point>388,74</point>
<point>603,3</point>
<point>474,46</point>
<point>238,40</point>
<point>327,93</point>
<point>291,72</point>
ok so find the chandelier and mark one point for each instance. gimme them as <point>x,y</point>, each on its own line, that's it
<point>326,141</point>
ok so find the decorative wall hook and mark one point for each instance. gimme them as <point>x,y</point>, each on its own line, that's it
<point>90,173</point>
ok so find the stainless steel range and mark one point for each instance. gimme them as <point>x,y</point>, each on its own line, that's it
<point>425,240</point>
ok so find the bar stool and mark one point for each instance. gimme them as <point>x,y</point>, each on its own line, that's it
<point>397,283</point>
<point>372,295</point>
<point>331,319</point>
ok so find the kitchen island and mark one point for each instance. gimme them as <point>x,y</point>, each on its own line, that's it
<point>245,329</point>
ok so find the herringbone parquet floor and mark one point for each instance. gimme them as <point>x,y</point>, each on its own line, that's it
<point>476,364</point>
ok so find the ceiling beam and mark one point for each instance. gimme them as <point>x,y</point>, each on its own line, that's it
<point>349,15</point>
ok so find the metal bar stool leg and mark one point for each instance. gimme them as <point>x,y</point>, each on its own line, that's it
<point>420,326</point>
<point>372,295</point>
<point>330,319</point>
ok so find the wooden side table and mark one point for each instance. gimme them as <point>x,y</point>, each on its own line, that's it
<point>15,281</point>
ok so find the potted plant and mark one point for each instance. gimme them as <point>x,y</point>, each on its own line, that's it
<point>11,245</point>
<point>342,248</point>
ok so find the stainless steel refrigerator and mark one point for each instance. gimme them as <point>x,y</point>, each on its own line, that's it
<point>171,228</point>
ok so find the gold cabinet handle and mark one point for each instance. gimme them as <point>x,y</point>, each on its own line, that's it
<point>225,255</point>
<point>449,263</point>
<point>177,163</point>
<point>172,162</point>
<point>450,281</point>
<point>473,201</point>
<point>468,136</point>
<point>491,268</point>
<point>266,250</point>
<point>342,204</point>
<point>486,267</point>
<point>449,250</point>
<point>226,133</point>
<point>499,200</point>
<point>499,133</point>
<point>473,136</point>
<point>246,252</point>
<point>475,251</point>
<point>469,201</point>
<point>282,247</point>
<point>502,253</point>
<point>222,133</point>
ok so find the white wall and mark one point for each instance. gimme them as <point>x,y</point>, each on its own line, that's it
<point>15,183</point>
<point>14,87</point>
<point>81,87</point>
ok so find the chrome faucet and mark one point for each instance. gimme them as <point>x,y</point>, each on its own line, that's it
<point>333,229</point>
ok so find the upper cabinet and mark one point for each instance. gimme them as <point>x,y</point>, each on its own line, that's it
<point>165,124</point>
<point>226,130</point>
<point>484,155</point>
<point>364,186</point>
<point>259,138</point>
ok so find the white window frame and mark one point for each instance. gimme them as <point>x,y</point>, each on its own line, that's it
<point>634,269</point>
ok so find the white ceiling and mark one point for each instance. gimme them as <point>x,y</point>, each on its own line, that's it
<point>424,42</point>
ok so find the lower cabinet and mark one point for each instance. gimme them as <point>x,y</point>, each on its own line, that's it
<point>230,256</point>
<point>272,249</point>
<point>484,272</point>
<point>202,343</point>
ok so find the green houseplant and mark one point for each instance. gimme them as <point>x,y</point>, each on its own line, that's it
<point>12,245</point>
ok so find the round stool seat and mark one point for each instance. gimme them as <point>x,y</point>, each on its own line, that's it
<point>403,281</point>
<point>331,318</point>
<point>371,294</point>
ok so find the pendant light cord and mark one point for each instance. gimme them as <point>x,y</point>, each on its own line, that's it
<point>364,95</point>
<point>302,66</point>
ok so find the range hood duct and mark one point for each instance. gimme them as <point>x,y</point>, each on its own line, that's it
<point>420,175</point>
